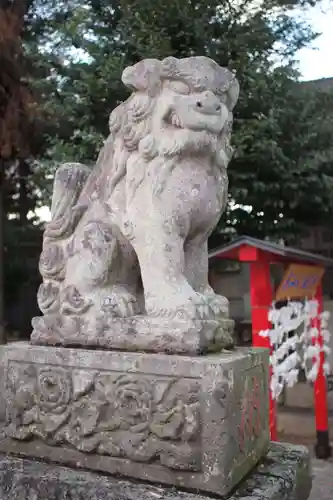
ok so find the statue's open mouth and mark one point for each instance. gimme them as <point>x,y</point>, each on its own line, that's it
<point>171,118</point>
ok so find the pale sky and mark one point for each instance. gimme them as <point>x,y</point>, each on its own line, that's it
<point>317,61</point>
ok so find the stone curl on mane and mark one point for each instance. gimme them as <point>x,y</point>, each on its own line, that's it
<point>131,120</point>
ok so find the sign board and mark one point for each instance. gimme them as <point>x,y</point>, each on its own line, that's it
<point>299,282</point>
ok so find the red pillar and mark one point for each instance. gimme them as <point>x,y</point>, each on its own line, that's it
<point>322,448</point>
<point>261,301</point>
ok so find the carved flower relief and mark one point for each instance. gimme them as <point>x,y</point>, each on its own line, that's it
<point>123,403</point>
<point>52,262</point>
<point>122,416</point>
<point>85,416</point>
<point>115,418</point>
<point>177,415</point>
<point>48,297</point>
<point>151,421</point>
<point>53,389</point>
<point>38,400</point>
<point>132,400</point>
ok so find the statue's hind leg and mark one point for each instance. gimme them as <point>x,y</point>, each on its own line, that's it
<point>124,276</point>
<point>100,285</point>
<point>104,269</point>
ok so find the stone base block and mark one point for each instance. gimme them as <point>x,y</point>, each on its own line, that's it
<point>138,333</point>
<point>191,422</point>
<point>285,474</point>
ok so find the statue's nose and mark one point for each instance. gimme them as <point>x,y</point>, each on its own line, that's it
<point>208,103</point>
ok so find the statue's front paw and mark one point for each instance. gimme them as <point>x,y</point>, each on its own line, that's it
<point>121,305</point>
<point>203,308</point>
<point>192,307</point>
<point>219,305</point>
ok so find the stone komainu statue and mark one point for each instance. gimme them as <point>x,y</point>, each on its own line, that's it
<point>146,209</point>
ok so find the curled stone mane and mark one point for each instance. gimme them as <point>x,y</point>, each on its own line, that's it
<point>131,120</point>
<point>129,124</point>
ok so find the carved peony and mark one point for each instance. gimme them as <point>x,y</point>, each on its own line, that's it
<point>122,416</point>
<point>147,208</point>
<point>132,402</point>
<point>39,402</point>
<point>53,390</point>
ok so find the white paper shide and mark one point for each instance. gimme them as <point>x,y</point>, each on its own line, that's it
<point>298,336</point>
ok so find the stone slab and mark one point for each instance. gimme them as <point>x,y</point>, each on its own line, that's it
<point>194,422</point>
<point>284,474</point>
<point>137,333</point>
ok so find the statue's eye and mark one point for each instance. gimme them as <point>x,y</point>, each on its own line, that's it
<point>179,87</point>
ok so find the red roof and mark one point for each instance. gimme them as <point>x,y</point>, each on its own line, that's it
<point>247,249</point>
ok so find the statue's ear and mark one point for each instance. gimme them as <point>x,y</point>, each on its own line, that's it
<point>143,76</point>
<point>170,67</point>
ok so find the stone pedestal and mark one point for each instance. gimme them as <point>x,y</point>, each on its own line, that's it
<point>138,333</point>
<point>283,475</point>
<point>199,423</point>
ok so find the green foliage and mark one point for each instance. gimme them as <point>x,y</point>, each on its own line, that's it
<point>282,167</point>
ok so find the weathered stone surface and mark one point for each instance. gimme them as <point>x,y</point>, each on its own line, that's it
<point>143,214</point>
<point>139,333</point>
<point>283,475</point>
<point>195,422</point>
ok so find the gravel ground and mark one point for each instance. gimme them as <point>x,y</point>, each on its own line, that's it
<point>322,488</point>
<point>323,480</point>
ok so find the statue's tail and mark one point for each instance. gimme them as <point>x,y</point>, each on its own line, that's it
<point>69,181</point>
<point>65,215</point>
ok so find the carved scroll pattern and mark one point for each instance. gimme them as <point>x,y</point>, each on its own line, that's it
<point>124,416</point>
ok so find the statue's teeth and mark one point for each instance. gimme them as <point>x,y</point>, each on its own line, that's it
<point>175,120</point>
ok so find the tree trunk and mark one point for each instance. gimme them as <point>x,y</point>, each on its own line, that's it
<point>24,205</point>
<point>2,319</point>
